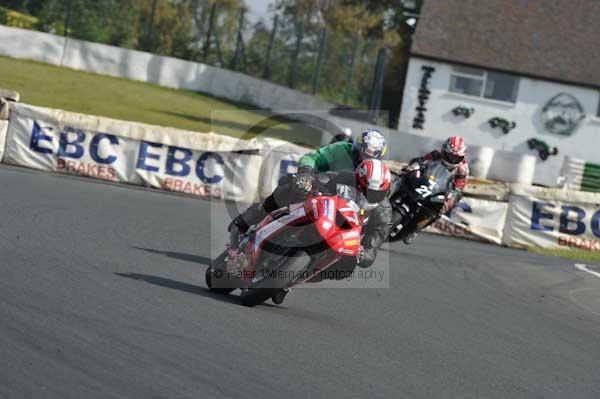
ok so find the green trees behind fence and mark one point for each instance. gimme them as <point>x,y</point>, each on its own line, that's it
<point>351,52</point>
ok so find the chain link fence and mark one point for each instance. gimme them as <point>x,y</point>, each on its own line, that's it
<point>311,57</point>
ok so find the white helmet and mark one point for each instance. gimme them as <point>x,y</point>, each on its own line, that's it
<point>370,144</point>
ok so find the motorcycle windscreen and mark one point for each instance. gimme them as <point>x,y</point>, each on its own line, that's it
<point>434,179</point>
<point>355,199</point>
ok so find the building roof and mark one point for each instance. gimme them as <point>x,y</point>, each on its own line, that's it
<point>551,39</point>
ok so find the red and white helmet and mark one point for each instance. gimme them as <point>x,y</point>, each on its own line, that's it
<point>454,151</point>
<point>373,178</point>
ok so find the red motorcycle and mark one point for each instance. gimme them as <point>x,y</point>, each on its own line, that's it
<point>292,245</point>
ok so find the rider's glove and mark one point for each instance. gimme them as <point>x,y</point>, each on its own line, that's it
<point>302,183</point>
<point>415,166</point>
<point>411,167</point>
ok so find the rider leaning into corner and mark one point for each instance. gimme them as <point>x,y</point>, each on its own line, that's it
<point>453,157</point>
<point>341,156</point>
<point>373,178</point>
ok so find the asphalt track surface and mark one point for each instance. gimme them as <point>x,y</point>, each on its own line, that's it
<point>102,295</point>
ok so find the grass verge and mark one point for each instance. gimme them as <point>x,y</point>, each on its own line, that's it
<point>55,87</point>
<point>576,254</point>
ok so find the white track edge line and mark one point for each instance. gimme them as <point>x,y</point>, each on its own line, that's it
<point>584,268</point>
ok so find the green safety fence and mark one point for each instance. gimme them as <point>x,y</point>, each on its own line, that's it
<point>590,180</point>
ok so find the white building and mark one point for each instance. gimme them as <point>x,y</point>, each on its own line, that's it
<point>531,67</point>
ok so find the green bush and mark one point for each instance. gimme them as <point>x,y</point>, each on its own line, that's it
<point>16,19</point>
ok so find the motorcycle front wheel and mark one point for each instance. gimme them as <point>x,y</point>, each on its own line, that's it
<point>271,283</point>
<point>255,296</point>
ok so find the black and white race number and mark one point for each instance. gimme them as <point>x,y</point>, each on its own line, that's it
<point>423,191</point>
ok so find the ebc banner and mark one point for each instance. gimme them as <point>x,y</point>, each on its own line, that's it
<point>553,219</point>
<point>3,132</point>
<point>41,141</point>
<point>474,219</point>
<point>44,145</point>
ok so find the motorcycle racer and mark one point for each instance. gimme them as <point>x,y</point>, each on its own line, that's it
<point>339,156</point>
<point>453,157</point>
<point>344,155</point>
<point>372,178</point>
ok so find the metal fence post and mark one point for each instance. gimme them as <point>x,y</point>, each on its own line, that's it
<point>299,37</point>
<point>151,26</point>
<point>239,41</point>
<point>363,81</point>
<point>68,18</point>
<point>377,88</point>
<point>211,21</point>
<point>350,77</point>
<point>218,47</point>
<point>267,70</point>
<point>320,58</point>
<point>244,59</point>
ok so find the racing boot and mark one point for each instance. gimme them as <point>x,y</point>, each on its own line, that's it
<point>410,238</point>
<point>240,225</point>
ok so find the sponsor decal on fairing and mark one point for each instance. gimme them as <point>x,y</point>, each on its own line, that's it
<point>276,225</point>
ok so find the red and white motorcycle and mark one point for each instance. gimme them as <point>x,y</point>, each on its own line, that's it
<point>292,245</point>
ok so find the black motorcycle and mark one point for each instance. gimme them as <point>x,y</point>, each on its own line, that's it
<point>417,198</point>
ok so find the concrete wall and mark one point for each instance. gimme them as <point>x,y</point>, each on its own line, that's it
<point>526,112</point>
<point>146,67</point>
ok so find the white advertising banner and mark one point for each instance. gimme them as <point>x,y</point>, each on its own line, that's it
<point>4,112</point>
<point>474,219</point>
<point>3,131</point>
<point>552,218</point>
<point>279,158</point>
<point>203,165</point>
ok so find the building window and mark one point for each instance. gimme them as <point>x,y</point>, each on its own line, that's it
<point>480,83</point>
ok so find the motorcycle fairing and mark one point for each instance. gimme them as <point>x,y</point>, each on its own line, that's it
<point>337,223</point>
<point>273,226</point>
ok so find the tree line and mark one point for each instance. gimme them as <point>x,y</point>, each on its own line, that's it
<point>324,47</point>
